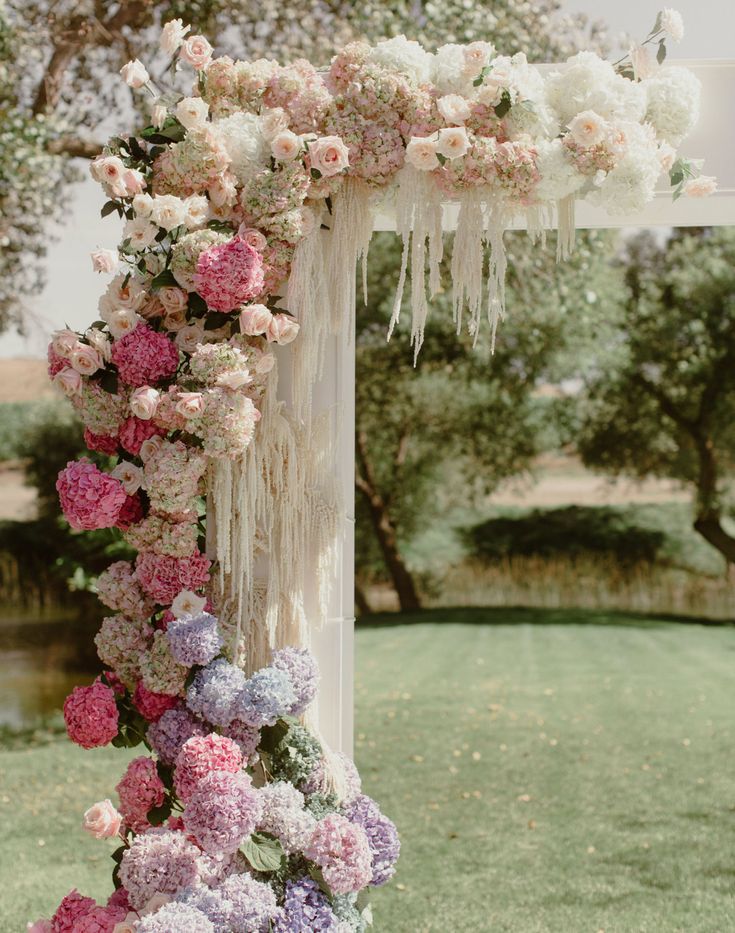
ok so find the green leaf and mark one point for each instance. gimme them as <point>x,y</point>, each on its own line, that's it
<point>504,105</point>
<point>171,132</point>
<point>158,815</point>
<point>118,854</point>
<point>272,736</point>
<point>264,852</point>
<point>661,53</point>
<point>197,305</point>
<point>109,207</point>
<point>316,874</point>
<point>221,226</point>
<point>164,279</point>
<point>217,319</point>
<point>108,381</point>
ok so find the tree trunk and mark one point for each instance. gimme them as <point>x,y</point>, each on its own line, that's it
<point>361,601</point>
<point>710,527</point>
<point>385,531</point>
<point>709,518</point>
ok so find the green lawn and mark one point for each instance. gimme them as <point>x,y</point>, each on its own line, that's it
<point>560,772</point>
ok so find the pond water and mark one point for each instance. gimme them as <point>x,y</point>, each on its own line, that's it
<point>41,659</point>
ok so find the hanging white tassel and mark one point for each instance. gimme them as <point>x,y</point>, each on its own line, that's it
<point>565,211</point>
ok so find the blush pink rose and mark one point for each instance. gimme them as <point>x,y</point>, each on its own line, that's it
<point>701,187</point>
<point>196,51</point>
<point>85,359</point>
<point>252,237</point>
<point>254,320</point>
<point>282,329</point>
<point>69,381</point>
<point>143,402</point>
<point>64,342</point>
<point>286,146</point>
<point>40,926</point>
<point>190,404</point>
<point>328,155</point>
<point>105,260</point>
<point>102,820</point>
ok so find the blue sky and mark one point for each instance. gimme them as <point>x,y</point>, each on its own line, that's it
<point>73,290</point>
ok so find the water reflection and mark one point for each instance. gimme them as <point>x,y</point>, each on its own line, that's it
<point>41,659</point>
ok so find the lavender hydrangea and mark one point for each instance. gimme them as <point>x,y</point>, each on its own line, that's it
<point>254,905</point>
<point>306,909</point>
<point>246,737</point>
<point>223,810</point>
<point>284,816</point>
<point>158,861</point>
<point>194,639</point>
<point>211,903</point>
<point>266,696</point>
<point>175,918</point>
<point>382,836</point>
<point>302,670</point>
<point>175,727</point>
<point>215,692</point>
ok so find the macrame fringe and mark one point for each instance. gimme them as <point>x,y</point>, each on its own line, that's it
<point>565,211</point>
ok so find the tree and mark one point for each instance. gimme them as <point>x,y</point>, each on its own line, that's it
<point>58,81</point>
<point>662,402</point>
<point>450,430</point>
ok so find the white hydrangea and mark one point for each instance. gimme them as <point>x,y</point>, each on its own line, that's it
<point>632,183</point>
<point>284,816</point>
<point>449,71</point>
<point>589,83</point>
<point>405,56</point>
<point>242,138</point>
<point>528,84</point>
<point>672,103</point>
<point>559,177</point>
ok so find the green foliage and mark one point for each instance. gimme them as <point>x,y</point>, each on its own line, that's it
<point>569,532</point>
<point>14,417</point>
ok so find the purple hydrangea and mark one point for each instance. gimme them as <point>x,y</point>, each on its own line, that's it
<point>223,810</point>
<point>158,861</point>
<point>382,835</point>
<point>306,909</point>
<point>175,727</point>
<point>266,696</point>
<point>215,692</point>
<point>302,670</point>
<point>211,903</point>
<point>175,918</point>
<point>247,737</point>
<point>194,639</point>
<point>253,902</point>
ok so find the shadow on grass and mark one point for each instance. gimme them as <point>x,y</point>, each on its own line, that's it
<point>516,615</point>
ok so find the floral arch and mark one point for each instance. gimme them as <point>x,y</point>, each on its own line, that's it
<point>209,389</point>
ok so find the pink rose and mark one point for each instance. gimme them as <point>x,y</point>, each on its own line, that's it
<point>453,142</point>
<point>265,363</point>
<point>235,379</point>
<point>108,170</point>
<point>143,402</point>
<point>328,155</point>
<point>175,320</point>
<point>150,447</point>
<point>454,108</point>
<point>64,342</point>
<point>588,128</point>
<point>189,337</point>
<point>223,190</point>
<point>102,820</point>
<point>196,51</point>
<point>700,187</point>
<point>172,35</point>
<point>252,237</point>
<point>105,260</point>
<point>421,154</point>
<point>130,475</point>
<point>172,298</point>
<point>192,111</point>
<point>286,146</point>
<point>134,74</point>
<point>134,182</point>
<point>85,359</point>
<point>282,329</point>
<point>254,320</point>
<point>190,404</point>
<point>69,381</point>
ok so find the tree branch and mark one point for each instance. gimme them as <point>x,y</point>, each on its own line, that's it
<point>74,148</point>
<point>667,406</point>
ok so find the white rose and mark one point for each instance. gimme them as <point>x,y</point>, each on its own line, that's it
<point>108,170</point>
<point>192,111</point>
<point>190,404</point>
<point>588,129</point>
<point>254,320</point>
<point>101,342</point>
<point>282,329</point>
<point>172,35</point>
<point>130,476</point>
<point>188,604</point>
<point>69,381</point>
<point>701,187</point>
<point>144,402</point>
<point>235,379</point>
<point>85,359</point>
<point>64,342</point>
<point>265,363</point>
<point>150,447</point>
<point>666,156</point>
<point>421,153</point>
<point>196,51</point>
<point>223,190</point>
<point>159,113</point>
<point>328,155</point>
<point>197,211</point>
<point>141,233</point>
<point>168,211</point>
<point>135,74</point>
<point>143,205</point>
<point>122,322</point>
<point>476,56</point>
<point>189,337</point>
<point>453,142</point>
<point>454,108</point>
<point>273,122</point>
<point>286,146</point>
<point>644,64</point>
<point>105,260</point>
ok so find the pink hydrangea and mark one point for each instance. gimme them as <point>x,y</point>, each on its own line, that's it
<point>118,589</point>
<point>134,431</point>
<point>163,577</point>
<point>201,755</point>
<point>150,705</point>
<point>158,861</point>
<point>119,898</point>
<point>130,513</point>
<point>102,443</point>
<point>72,908</point>
<point>342,850</point>
<point>223,811</point>
<point>229,274</point>
<point>144,357</point>
<point>55,362</point>
<point>172,477</point>
<point>91,715</point>
<point>119,644</point>
<point>89,498</point>
<point>139,790</point>
<point>100,920</point>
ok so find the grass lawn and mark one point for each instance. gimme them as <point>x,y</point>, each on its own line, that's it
<point>560,772</point>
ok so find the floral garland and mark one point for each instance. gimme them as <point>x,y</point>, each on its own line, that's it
<point>246,206</point>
